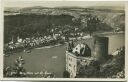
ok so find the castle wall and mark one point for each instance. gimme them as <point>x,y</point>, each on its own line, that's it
<point>71,64</point>
<point>99,51</point>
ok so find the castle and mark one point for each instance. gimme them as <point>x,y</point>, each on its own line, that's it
<point>95,48</point>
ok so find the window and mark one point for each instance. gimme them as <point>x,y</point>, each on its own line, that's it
<point>71,59</point>
<point>69,70</point>
<point>74,67</point>
<point>70,65</point>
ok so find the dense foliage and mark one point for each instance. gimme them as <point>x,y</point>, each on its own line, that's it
<point>66,74</point>
<point>112,68</point>
<point>30,25</point>
<point>35,25</point>
<point>114,65</point>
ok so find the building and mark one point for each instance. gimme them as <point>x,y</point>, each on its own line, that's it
<point>84,54</point>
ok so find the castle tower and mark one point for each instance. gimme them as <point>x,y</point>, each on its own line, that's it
<point>100,47</point>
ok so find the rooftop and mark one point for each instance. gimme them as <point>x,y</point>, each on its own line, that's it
<point>81,49</point>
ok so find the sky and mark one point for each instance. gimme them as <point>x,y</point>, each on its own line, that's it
<point>44,3</point>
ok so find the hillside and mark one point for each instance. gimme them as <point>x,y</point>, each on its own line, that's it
<point>33,20</point>
<point>112,15</point>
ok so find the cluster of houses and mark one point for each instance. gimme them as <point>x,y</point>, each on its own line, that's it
<point>33,42</point>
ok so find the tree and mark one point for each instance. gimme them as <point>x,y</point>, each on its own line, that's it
<point>114,66</point>
<point>90,70</point>
<point>90,23</point>
<point>66,74</point>
<point>17,70</point>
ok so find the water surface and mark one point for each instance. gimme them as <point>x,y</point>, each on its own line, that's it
<point>53,59</point>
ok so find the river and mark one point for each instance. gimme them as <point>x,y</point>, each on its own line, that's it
<point>53,59</point>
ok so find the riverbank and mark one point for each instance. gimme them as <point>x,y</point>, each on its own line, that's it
<point>53,59</point>
<point>13,48</point>
<point>108,33</point>
<point>49,46</point>
<point>40,46</point>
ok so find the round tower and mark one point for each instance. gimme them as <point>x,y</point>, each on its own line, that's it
<point>100,47</point>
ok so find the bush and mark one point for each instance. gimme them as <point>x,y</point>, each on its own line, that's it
<point>66,74</point>
<point>113,66</point>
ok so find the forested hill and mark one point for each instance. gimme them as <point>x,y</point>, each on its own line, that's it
<point>29,25</point>
<point>35,21</point>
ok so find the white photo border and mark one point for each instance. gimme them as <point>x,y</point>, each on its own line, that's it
<point>63,79</point>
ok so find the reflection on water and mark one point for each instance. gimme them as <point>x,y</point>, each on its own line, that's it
<point>53,59</point>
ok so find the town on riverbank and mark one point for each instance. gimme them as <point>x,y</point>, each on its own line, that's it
<point>67,42</point>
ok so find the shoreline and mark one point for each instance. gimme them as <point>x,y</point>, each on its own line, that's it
<point>45,47</point>
<point>109,33</point>
<point>56,45</point>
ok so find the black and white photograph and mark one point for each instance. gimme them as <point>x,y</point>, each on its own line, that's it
<point>63,39</point>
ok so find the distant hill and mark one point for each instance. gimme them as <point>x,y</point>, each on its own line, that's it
<point>94,8</point>
<point>108,7</point>
<point>12,9</point>
<point>116,9</point>
<point>111,15</point>
<point>115,20</point>
<point>38,19</point>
